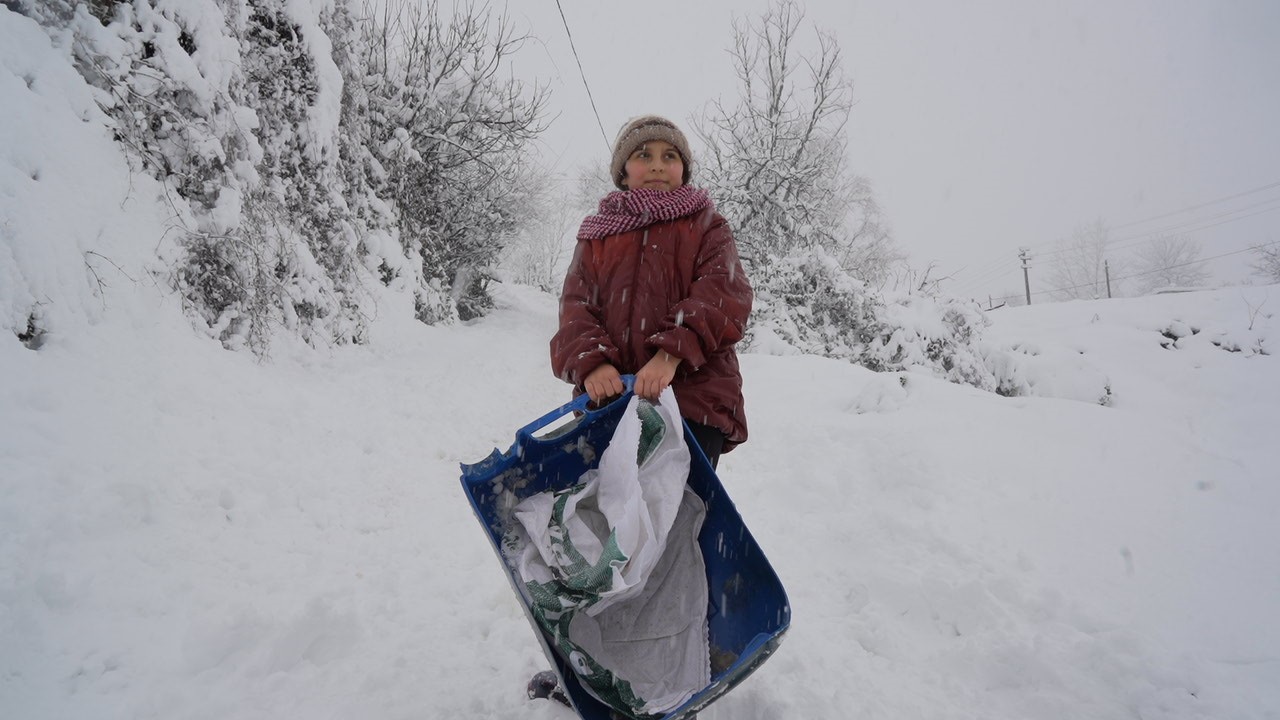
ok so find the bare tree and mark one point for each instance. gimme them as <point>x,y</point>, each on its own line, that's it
<point>1267,261</point>
<point>924,282</point>
<point>1169,261</point>
<point>540,251</point>
<point>776,159</point>
<point>1079,264</point>
<point>453,128</point>
<point>539,254</point>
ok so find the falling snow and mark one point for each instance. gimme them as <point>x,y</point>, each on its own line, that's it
<point>189,532</point>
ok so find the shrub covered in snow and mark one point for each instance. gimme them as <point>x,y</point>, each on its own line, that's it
<point>309,156</point>
<point>807,303</point>
<point>451,130</point>
<point>170,81</point>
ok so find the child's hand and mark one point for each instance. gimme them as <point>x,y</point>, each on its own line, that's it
<point>656,375</point>
<point>602,383</point>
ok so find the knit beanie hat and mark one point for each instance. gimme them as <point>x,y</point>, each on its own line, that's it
<point>640,131</point>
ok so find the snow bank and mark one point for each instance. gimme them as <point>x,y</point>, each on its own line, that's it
<point>71,213</point>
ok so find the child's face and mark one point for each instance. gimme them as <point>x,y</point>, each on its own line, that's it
<point>656,165</point>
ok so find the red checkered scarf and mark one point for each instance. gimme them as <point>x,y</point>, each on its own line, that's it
<point>633,209</point>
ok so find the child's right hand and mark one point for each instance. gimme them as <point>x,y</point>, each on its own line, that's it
<point>603,383</point>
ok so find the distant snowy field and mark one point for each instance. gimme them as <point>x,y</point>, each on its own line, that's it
<point>190,533</point>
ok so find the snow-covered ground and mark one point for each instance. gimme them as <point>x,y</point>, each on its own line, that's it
<point>187,532</point>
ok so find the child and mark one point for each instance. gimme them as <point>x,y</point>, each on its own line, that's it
<point>656,289</point>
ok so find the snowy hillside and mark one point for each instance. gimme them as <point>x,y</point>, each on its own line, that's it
<point>187,532</point>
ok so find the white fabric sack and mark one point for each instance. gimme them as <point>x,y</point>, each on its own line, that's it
<point>614,564</point>
<point>657,641</point>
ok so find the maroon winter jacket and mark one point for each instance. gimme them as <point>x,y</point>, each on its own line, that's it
<point>676,286</point>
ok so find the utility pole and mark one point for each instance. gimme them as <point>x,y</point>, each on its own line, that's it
<point>1025,256</point>
<point>1106,268</point>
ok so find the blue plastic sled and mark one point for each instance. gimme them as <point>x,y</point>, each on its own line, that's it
<point>748,610</point>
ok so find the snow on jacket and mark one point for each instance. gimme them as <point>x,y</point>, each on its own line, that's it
<point>677,286</point>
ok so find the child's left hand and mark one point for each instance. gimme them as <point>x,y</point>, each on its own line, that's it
<point>656,375</point>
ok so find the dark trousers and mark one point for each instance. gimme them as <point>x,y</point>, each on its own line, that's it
<point>710,439</point>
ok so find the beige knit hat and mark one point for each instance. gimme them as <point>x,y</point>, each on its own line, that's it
<point>640,131</point>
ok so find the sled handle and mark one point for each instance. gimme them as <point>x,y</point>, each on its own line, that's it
<point>576,405</point>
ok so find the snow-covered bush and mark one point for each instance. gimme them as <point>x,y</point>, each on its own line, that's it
<point>1026,369</point>
<point>942,335</point>
<point>169,77</point>
<point>71,213</point>
<point>308,155</point>
<point>812,305</point>
<point>232,105</point>
<point>1266,261</point>
<point>164,77</point>
<point>807,302</point>
<point>451,131</point>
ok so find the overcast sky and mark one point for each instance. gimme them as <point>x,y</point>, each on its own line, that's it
<point>983,126</point>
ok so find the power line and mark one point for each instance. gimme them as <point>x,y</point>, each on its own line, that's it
<point>1129,241</point>
<point>1156,270</point>
<point>1197,262</point>
<point>583,74</point>
<point>991,273</point>
<point>1201,205</point>
<point>1191,226</point>
<point>1179,227</point>
<point>1185,226</point>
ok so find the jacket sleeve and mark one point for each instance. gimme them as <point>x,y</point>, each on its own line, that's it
<point>714,315</point>
<point>581,344</point>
